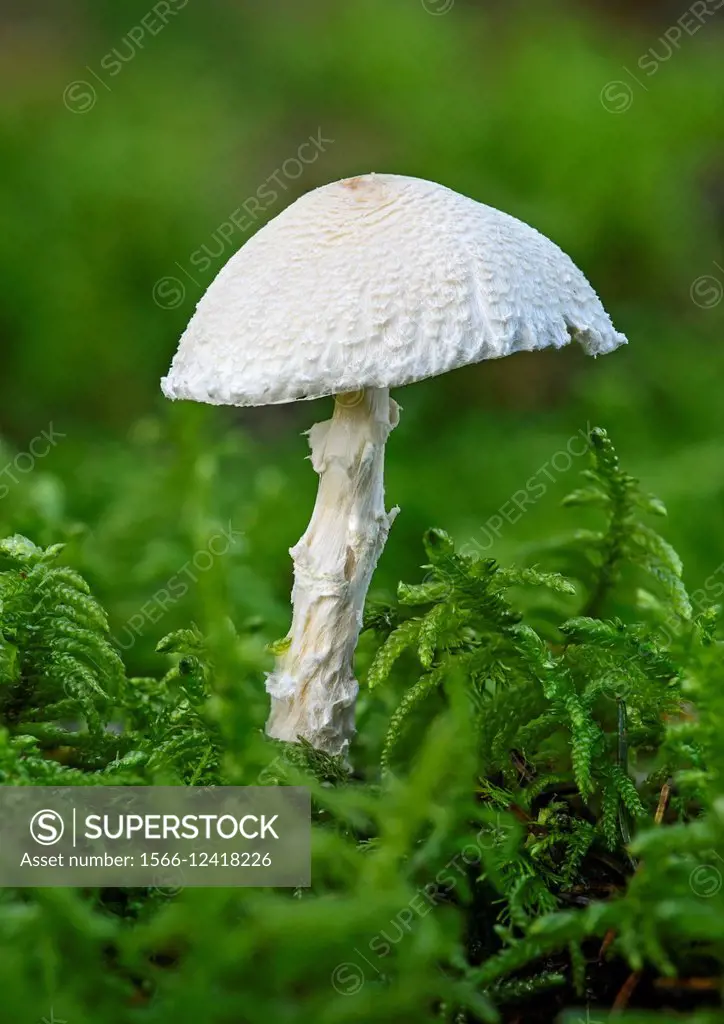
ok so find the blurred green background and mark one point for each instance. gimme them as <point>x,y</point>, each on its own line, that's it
<point>132,133</point>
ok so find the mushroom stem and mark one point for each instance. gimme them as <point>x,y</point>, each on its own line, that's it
<point>313,688</point>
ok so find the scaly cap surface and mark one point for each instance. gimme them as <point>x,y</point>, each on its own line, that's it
<point>378,281</point>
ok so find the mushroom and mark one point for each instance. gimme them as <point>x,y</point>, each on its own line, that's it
<point>359,286</point>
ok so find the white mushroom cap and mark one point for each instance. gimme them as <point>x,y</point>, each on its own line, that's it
<point>378,281</point>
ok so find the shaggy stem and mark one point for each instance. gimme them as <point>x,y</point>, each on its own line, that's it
<point>313,687</point>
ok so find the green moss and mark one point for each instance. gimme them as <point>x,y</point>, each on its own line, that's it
<point>515,739</point>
